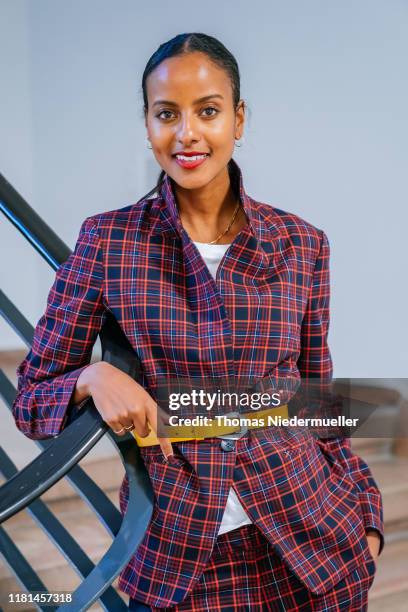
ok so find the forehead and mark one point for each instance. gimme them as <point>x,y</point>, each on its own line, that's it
<point>187,76</point>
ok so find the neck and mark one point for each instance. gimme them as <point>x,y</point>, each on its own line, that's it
<point>207,211</point>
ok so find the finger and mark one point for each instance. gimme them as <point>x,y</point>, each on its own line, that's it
<point>152,410</point>
<point>137,422</point>
<point>117,428</point>
<point>166,447</point>
<point>118,423</point>
<point>127,424</point>
<point>141,425</point>
<point>119,419</point>
<point>122,422</point>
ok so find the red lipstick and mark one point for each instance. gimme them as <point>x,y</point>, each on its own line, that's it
<point>198,158</point>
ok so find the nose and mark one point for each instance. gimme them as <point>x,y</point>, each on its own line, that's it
<point>187,130</point>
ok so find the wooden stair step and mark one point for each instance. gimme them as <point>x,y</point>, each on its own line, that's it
<point>391,579</point>
<point>393,602</point>
<point>80,521</point>
<point>372,447</point>
<point>391,475</point>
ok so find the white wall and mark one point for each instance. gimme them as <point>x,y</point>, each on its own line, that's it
<point>326,137</point>
<point>16,158</point>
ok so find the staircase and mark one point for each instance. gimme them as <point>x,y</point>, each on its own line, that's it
<point>49,563</point>
<point>106,470</point>
<point>389,592</point>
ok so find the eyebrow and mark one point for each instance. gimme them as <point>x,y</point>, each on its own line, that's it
<point>203,99</point>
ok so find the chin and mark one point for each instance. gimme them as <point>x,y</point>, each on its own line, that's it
<point>191,179</point>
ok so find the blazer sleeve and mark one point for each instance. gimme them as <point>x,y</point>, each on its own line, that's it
<point>315,362</point>
<point>63,340</point>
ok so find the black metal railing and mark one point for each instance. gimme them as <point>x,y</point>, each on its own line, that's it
<point>61,454</point>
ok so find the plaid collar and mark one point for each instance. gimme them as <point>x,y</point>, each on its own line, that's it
<point>169,218</point>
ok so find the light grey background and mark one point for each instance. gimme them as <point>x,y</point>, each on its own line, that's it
<point>327,90</point>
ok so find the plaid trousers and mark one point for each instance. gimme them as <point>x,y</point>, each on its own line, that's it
<point>244,573</point>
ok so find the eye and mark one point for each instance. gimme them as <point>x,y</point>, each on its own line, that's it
<point>210,108</point>
<point>159,115</point>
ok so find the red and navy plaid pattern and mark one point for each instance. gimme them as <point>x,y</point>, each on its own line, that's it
<point>245,573</point>
<point>266,316</point>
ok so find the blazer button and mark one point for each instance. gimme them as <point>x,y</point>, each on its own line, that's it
<point>228,445</point>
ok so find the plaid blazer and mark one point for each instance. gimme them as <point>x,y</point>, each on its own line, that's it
<point>266,315</point>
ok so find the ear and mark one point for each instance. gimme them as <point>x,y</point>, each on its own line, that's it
<point>145,116</point>
<point>239,119</point>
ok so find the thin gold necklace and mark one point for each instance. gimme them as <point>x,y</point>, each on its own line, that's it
<point>229,226</point>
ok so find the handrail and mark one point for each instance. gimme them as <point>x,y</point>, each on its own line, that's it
<point>131,533</point>
<point>29,223</point>
<point>61,537</point>
<point>77,439</point>
<point>96,499</point>
<point>16,319</point>
<point>24,573</point>
<point>65,451</point>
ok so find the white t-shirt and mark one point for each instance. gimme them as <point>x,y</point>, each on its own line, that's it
<point>234,514</point>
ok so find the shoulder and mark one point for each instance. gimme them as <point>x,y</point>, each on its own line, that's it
<point>121,220</point>
<point>290,226</point>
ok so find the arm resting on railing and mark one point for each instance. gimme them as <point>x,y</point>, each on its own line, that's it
<point>63,340</point>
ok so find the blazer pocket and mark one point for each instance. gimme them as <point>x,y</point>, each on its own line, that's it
<point>173,482</point>
<point>168,477</point>
<point>371,561</point>
<point>154,454</point>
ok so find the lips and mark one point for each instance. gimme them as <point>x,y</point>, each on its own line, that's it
<point>191,159</point>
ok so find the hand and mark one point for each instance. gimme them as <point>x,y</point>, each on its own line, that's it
<point>121,401</point>
<point>374,541</point>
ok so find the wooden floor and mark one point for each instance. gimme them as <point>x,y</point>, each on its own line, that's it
<point>389,592</point>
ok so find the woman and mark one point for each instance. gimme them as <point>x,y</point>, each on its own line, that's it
<point>209,284</point>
